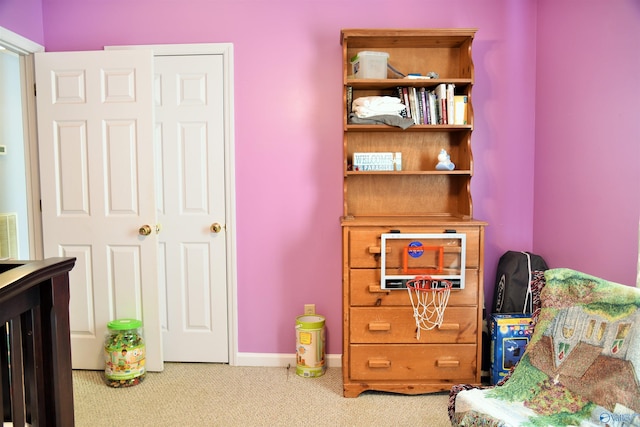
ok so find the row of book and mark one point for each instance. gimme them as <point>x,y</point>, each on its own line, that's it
<point>440,106</point>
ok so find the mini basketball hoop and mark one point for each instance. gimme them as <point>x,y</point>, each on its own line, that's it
<point>429,299</point>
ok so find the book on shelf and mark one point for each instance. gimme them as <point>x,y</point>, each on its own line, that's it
<point>420,107</point>
<point>460,109</point>
<point>425,106</point>
<point>349,100</point>
<point>450,103</point>
<point>415,111</point>
<point>400,95</point>
<point>433,111</point>
<point>441,103</point>
<point>405,96</point>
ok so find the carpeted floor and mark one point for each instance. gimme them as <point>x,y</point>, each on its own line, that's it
<point>191,394</point>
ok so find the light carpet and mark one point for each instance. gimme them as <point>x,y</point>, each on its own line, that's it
<point>193,394</point>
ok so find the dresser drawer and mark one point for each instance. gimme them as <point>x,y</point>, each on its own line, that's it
<point>365,245</point>
<point>433,362</point>
<point>364,286</point>
<point>397,325</point>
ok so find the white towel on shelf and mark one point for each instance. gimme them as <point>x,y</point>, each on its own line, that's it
<point>368,106</point>
<point>368,101</point>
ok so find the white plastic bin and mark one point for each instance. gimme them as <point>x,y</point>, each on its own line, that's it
<point>370,65</point>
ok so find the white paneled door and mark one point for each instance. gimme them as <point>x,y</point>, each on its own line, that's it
<point>128,139</point>
<point>95,128</point>
<point>190,152</point>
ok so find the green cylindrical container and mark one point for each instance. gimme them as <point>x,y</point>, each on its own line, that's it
<point>124,353</point>
<point>310,345</point>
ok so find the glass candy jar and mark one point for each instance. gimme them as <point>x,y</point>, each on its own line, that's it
<point>124,353</point>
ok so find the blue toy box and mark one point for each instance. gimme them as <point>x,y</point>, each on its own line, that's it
<point>510,334</point>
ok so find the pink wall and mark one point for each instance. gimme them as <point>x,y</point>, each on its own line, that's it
<point>23,17</point>
<point>587,170</point>
<point>288,129</point>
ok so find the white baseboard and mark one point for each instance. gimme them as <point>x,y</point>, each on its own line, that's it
<point>280,360</point>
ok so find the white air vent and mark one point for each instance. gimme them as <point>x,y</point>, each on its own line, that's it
<point>8,235</point>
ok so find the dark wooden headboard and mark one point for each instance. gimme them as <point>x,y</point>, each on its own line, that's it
<point>35,349</point>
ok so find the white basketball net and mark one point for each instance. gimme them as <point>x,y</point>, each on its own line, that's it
<point>429,303</point>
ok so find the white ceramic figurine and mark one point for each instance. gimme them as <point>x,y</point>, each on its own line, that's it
<point>444,161</point>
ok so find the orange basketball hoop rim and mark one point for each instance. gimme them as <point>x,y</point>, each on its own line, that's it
<point>426,284</point>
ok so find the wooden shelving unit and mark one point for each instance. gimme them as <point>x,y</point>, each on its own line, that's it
<point>419,200</point>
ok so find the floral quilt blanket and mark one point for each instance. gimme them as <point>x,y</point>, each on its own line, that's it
<point>581,366</point>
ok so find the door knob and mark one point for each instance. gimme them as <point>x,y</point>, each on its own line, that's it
<point>215,227</point>
<point>145,230</point>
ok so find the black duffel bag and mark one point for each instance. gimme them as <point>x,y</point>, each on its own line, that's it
<point>514,275</point>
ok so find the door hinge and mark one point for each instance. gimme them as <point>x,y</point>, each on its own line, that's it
<point>35,92</point>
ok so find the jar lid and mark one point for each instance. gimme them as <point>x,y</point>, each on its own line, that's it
<point>124,324</point>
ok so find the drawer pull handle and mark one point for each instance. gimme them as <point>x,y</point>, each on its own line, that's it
<point>448,363</point>
<point>379,326</point>
<point>449,327</point>
<point>376,289</point>
<point>378,250</point>
<point>379,363</point>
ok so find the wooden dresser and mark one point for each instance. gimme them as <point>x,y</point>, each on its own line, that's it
<point>381,348</point>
